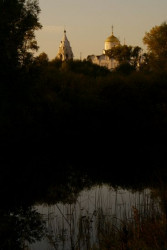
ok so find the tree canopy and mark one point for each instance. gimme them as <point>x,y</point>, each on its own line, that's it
<point>126,55</point>
<point>18,22</point>
<point>156,40</point>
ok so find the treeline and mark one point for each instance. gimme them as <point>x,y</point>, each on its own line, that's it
<point>63,101</point>
<point>76,89</point>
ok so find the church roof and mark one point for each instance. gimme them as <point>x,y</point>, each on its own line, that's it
<point>65,43</point>
<point>65,50</point>
<point>112,39</point>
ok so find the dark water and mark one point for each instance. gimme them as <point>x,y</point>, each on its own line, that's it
<point>42,216</point>
<point>47,182</point>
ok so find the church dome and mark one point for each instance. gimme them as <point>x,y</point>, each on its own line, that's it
<point>111,42</point>
<point>112,39</point>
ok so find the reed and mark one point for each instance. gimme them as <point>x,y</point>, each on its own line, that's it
<point>102,224</point>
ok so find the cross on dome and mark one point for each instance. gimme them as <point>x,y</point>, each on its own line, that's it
<point>112,30</point>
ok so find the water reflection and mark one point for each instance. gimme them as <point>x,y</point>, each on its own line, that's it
<point>77,225</point>
<point>83,215</point>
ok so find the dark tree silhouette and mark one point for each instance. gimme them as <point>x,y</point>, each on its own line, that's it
<point>18,22</point>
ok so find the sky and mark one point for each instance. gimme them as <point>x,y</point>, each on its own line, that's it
<point>88,23</point>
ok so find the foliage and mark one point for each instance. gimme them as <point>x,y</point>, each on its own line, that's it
<point>42,59</point>
<point>18,22</point>
<point>126,55</point>
<point>19,227</point>
<point>125,68</point>
<point>155,40</point>
<point>81,67</point>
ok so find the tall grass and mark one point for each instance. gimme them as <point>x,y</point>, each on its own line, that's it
<point>113,219</point>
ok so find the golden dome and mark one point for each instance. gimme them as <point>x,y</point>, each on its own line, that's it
<point>112,39</point>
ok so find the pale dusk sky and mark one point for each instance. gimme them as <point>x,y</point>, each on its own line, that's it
<point>88,23</point>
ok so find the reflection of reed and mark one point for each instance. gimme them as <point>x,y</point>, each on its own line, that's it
<point>101,220</point>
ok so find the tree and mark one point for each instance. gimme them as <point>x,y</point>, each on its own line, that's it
<point>136,56</point>
<point>42,59</point>
<point>19,226</point>
<point>156,41</point>
<point>18,22</point>
<point>126,55</point>
<point>120,53</point>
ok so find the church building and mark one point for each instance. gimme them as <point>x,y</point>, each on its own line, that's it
<point>104,60</point>
<point>65,51</point>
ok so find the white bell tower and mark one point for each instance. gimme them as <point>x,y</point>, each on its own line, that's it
<point>65,51</point>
